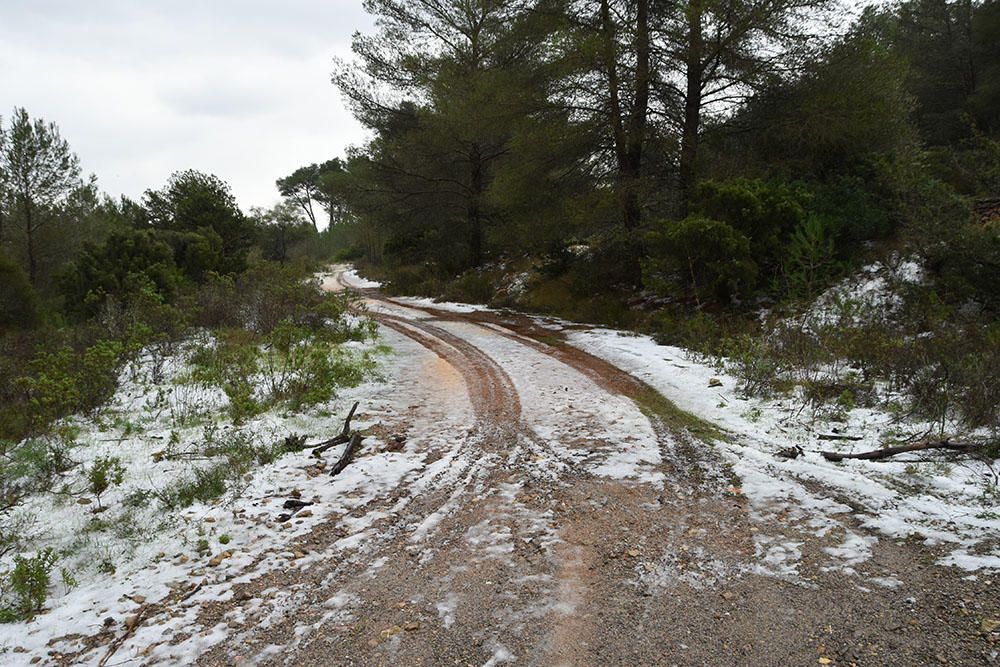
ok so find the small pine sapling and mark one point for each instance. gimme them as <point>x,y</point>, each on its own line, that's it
<point>106,471</point>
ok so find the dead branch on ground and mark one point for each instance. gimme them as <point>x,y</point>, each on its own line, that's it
<point>340,439</point>
<point>887,452</point>
<point>348,454</point>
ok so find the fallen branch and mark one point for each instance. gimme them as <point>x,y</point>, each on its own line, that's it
<point>332,442</point>
<point>887,452</point>
<point>838,436</point>
<point>340,439</point>
<point>348,454</point>
<point>130,629</point>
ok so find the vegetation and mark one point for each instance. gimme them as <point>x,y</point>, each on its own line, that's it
<point>95,293</point>
<point>662,168</point>
<point>712,173</point>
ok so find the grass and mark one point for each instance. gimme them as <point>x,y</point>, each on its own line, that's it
<point>654,404</point>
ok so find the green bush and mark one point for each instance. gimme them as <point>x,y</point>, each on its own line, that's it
<point>202,485</point>
<point>303,369</point>
<point>28,584</point>
<point>232,364</point>
<point>809,258</point>
<point>18,300</point>
<point>967,264</point>
<point>105,472</point>
<point>64,382</point>
<point>125,265</point>
<point>471,287</point>
<point>763,212</point>
<point>750,361</point>
<point>31,465</point>
<point>710,258</point>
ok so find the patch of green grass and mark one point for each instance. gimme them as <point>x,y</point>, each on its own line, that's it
<point>203,485</point>
<point>653,403</point>
<point>203,547</point>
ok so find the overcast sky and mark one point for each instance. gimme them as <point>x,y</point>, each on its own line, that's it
<point>143,88</point>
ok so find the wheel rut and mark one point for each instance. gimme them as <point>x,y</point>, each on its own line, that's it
<point>480,560</point>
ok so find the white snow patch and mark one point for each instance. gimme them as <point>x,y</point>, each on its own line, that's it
<point>945,507</point>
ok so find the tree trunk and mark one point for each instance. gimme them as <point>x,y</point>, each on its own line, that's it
<point>628,133</point>
<point>692,107</point>
<point>29,230</point>
<point>475,217</point>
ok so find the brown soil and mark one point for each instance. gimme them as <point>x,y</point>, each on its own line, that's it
<point>490,563</point>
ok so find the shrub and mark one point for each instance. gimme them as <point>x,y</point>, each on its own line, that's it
<point>967,265</point>
<point>203,485</point>
<point>32,465</point>
<point>232,454</point>
<point>764,212</point>
<point>710,257</point>
<point>470,287</point>
<point>18,300</point>
<point>749,360</point>
<point>126,264</point>
<point>231,364</point>
<point>63,382</point>
<point>809,258</point>
<point>302,368</point>
<point>105,472</point>
<point>29,583</point>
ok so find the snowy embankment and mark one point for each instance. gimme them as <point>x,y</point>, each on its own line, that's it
<point>946,503</point>
<point>130,558</point>
<point>954,504</point>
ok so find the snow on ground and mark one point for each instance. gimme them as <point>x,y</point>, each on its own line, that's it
<point>872,289</point>
<point>943,503</point>
<point>578,422</point>
<point>154,554</point>
<point>351,278</point>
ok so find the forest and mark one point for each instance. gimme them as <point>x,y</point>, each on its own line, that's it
<point>797,197</point>
<point>701,171</point>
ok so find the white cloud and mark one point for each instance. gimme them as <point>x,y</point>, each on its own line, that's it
<point>141,89</point>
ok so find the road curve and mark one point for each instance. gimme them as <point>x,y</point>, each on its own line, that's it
<point>569,520</point>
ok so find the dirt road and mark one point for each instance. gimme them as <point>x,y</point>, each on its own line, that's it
<point>562,513</point>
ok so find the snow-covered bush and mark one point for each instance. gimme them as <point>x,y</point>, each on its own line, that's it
<point>26,586</point>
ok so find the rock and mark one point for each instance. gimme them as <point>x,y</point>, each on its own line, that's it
<point>990,624</point>
<point>209,519</point>
<point>138,599</point>
<point>715,382</point>
<point>216,560</point>
<point>793,452</point>
<point>412,626</point>
<point>131,621</point>
<point>84,501</point>
<point>295,493</point>
<point>727,595</point>
<point>294,504</point>
<point>633,553</point>
<point>304,513</point>
<point>109,621</point>
<point>390,631</point>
